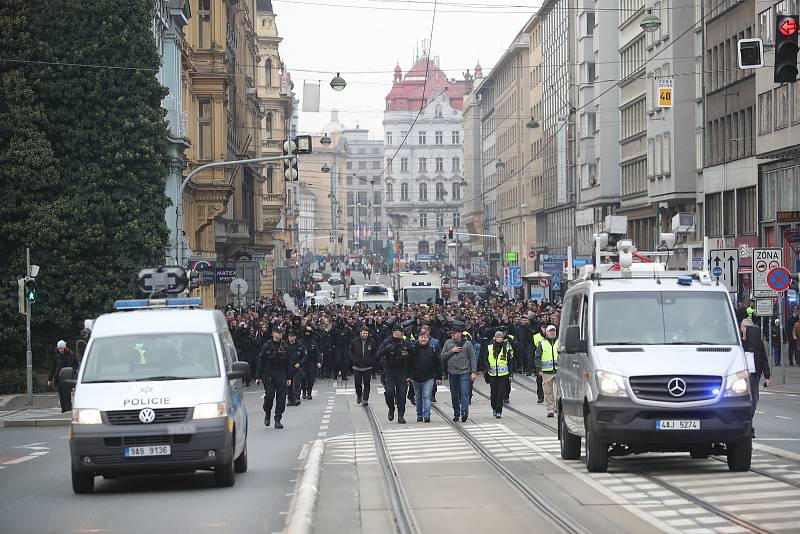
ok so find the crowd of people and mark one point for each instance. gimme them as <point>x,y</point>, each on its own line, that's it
<point>410,349</point>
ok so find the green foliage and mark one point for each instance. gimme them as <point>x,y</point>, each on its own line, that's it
<point>13,381</point>
<point>82,159</point>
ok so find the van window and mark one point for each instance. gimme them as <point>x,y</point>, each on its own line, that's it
<point>658,318</point>
<point>143,357</point>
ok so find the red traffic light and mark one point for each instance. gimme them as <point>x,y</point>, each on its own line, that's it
<point>788,27</point>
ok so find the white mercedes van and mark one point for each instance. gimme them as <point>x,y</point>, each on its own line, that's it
<point>159,390</point>
<point>651,361</point>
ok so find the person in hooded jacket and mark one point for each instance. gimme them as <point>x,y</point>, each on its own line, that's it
<point>393,356</point>
<point>362,354</point>
<point>62,358</point>
<point>310,362</point>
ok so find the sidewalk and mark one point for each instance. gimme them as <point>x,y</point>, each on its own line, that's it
<point>45,411</point>
<point>785,379</point>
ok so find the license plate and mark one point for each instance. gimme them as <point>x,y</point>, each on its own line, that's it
<point>677,424</point>
<point>148,450</point>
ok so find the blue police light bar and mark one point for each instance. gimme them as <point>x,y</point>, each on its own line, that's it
<point>148,304</point>
<point>375,290</point>
<point>684,280</point>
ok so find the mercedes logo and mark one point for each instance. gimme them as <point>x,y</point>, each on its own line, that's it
<point>676,387</point>
<point>147,415</point>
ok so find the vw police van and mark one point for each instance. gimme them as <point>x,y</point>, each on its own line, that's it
<point>159,390</point>
<point>651,361</point>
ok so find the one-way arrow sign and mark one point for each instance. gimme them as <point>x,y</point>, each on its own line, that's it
<point>725,263</point>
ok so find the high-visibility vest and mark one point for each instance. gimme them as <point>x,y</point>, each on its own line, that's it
<point>498,365</point>
<point>549,355</point>
<point>750,312</point>
<point>537,338</point>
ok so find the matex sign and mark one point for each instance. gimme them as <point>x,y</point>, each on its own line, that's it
<point>764,260</point>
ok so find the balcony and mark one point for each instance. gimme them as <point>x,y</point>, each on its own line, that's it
<point>272,144</point>
<point>274,199</point>
<point>233,231</point>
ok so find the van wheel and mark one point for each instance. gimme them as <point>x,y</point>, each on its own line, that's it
<point>82,482</point>
<point>240,464</point>
<point>224,474</point>
<point>700,453</point>
<point>596,452</point>
<point>570,443</point>
<point>739,455</point>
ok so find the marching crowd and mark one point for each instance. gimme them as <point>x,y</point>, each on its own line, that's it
<point>411,349</point>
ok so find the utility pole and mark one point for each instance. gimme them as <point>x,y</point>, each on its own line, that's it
<point>28,351</point>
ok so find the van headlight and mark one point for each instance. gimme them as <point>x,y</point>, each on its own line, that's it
<point>737,385</point>
<point>610,384</point>
<point>210,410</point>
<point>86,416</point>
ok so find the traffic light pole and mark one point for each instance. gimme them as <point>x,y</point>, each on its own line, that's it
<point>28,352</point>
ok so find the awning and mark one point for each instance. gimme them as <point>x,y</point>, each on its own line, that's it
<point>536,275</point>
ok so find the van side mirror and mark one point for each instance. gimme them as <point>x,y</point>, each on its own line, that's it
<point>66,377</point>
<point>572,340</point>
<point>239,370</point>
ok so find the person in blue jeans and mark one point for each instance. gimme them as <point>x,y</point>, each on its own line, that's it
<point>459,360</point>
<point>424,368</point>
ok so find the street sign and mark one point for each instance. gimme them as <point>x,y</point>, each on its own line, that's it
<point>238,286</point>
<point>532,255</point>
<point>787,217</point>
<point>779,279</point>
<point>512,277</point>
<point>544,282</point>
<point>512,257</point>
<point>665,89</point>
<point>763,307</point>
<point>724,265</point>
<point>556,281</point>
<point>764,260</point>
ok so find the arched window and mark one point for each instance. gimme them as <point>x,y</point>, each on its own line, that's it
<point>268,125</point>
<point>389,192</point>
<point>440,191</point>
<point>423,191</point>
<point>270,172</point>
<point>268,73</point>
<point>404,192</point>
<point>456,191</point>
<point>438,113</point>
<point>423,247</point>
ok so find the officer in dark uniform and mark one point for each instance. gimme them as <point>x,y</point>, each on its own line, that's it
<point>393,357</point>
<point>274,369</point>
<point>296,356</point>
<point>311,361</point>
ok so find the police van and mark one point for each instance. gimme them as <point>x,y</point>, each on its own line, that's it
<point>159,390</point>
<point>651,361</point>
<point>375,296</point>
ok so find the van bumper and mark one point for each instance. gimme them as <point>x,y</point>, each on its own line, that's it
<point>620,420</point>
<point>100,449</point>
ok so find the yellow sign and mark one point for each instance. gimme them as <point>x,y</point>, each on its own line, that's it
<point>665,87</point>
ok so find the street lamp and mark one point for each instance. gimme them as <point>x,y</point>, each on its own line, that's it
<point>325,168</point>
<point>532,124</point>
<point>325,140</point>
<point>650,22</point>
<point>499,164</point>
<point>338,83</point>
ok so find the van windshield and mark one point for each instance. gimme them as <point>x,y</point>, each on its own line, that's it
<point>421,295</point>
<point>143,357</point>
<point>373,304</point>
<point>663,318</point>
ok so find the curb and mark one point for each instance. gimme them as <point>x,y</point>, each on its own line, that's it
<point>29,423</point>
<point>300,519</point>
<point>775,451</point>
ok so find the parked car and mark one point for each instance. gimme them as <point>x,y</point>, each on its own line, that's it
<point>317,276</point>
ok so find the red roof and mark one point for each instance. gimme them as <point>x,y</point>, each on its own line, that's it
<point>406,95</point>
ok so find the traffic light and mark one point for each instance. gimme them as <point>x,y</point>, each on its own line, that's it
<point>786,28</point>
<point>750,53</point>
<point>194,279</point>
<point>449,232</point>
<point>290,172</point>
<point>444,237</point>
<point>30,290</point>
<point>16,290</point>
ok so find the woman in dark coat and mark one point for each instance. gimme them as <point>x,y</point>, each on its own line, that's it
<point>752,342</point>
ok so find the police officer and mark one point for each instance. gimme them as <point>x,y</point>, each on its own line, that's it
<point>296,356</point>
<point>274,368</point>
<point>311,363</point>
<point>498,370</point>
<point>547,364</point>
<point>537,338</point>
<point>394,355</point>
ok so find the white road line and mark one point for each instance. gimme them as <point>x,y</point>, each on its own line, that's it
<point>321,434</point>
<point>783,417</point>
<point>19,460</point>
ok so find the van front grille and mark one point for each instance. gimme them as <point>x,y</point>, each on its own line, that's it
<point>676,388</point>
<point>131,417</point>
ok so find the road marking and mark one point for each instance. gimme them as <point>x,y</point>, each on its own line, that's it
<point>762,413</point>
<point>777,439</point>
<point>783,417</point>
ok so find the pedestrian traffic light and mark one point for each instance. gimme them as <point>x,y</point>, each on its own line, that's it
<point>450,232</point>
<point>290,172</point>
<point>30,290</point>
<point>194,279</point>
<point>786,28</point>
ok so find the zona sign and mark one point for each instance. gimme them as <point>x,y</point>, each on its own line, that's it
<point>779,279</point>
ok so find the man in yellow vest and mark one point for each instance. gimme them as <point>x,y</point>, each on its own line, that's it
<point>498,356</point>
<point>546,362</point>
<point>537,339</point>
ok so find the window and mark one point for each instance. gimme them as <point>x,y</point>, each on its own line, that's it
<point>376,165</point>
<point>268,73</point>
<point>765,25</point>
<point>666,154</point>
<point>456,191</point>
<point>456,219</point>
<point>782,107</point>
<point>204,25</point>
<point>404,192</point>
<point>270,174</point>
<point>746,211</point>
<point>362,165</point>
<point>268,125</point>
<point>438,138</point>
<point>698,149</point>
<point>765,112</point>
<point>376,198</point>
<point>350,198</point>
<point>438,112</point>
<point>205,133</point>
<point>439,191</point>
<point>423,191</point>
<point>456,137</point>
<point>389,138</point>
<point>651,157</point>
<point>590,23</point>
<point>729,212</point>
<point>456,165</point>
<point>713,214</point>
<point>403,164</point>
<point>439,164</point>
<point>423,165</point>
<point>422,138</point>
<point>439,220</point>
<point>349,165</point>
<point>632,58</point>
<point>423,220</point>
<point>389,164</point>
<point>389,193</point>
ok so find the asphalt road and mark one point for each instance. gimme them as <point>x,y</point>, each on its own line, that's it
<point>36,493</point>
<point>777,419</point>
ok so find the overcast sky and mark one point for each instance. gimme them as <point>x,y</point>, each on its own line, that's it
<point>364,39</point>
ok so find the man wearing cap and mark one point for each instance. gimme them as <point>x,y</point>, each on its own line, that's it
<point>312,361</point>
<point>296,357</point>
<point>499,356</point>
<point>394,355</point>
<point>274,368</point>
<point>460,363</point>
<point>62,358</point>
<point>546,362</point>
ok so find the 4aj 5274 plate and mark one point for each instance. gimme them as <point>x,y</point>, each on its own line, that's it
<point>677,424</point>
